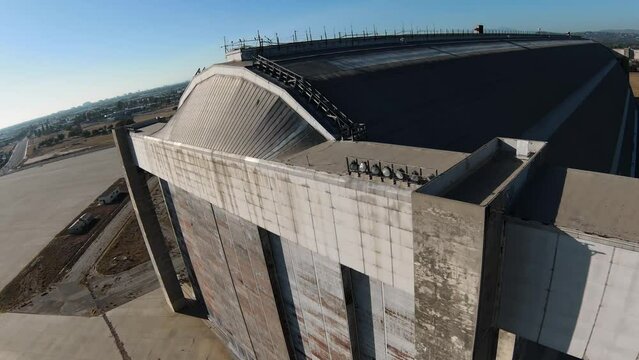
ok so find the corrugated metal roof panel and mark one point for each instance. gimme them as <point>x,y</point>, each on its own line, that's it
<point>230,114</point>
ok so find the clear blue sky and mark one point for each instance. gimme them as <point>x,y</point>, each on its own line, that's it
<point>58,54</point>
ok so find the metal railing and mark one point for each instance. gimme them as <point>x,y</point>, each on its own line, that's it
<point>348,129</point>
<point>260,41</point>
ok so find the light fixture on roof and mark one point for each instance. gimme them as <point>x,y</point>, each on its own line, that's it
<point>353,165</point>
<point>386,171</point>
<point>400,174</point>
<point>414,176</point>
<point>363,167</point>
<point>375,170</point>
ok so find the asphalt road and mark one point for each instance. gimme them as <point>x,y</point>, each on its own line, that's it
<point>18,154</point>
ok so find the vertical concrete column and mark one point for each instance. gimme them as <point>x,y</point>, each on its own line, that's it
<point>148,222</point>
<point>448,239</point>
<point>505,345</point>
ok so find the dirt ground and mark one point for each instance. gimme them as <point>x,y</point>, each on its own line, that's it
<point>7,148</point>
<point>74,143</point>
<point>164,112</point>
<point>634,83</point>
<point>57,257</point>
<point>127,250</point>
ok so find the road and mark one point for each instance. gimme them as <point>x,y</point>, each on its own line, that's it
<point>18,154</point>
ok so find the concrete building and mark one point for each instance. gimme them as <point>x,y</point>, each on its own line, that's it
<point>415,197</point>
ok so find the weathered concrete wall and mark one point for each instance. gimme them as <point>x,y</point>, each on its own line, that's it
<point>506,346</point>
<point>449,244</point>
<point>313,294</point>
<point>209,264</point>
<point>364,225</point>
<point>179,239</point>
<point>570,291</point>
<point>228,260</point>
<point>245,259</point>
<point>385,319</point>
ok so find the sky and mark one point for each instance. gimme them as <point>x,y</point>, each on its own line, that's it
<point>58,54</point>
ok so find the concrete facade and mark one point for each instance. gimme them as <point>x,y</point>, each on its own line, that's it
<point>329,250</point>
<point>453,303</point>
<point>577,293</point>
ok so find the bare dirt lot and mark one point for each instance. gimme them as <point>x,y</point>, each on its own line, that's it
<point>7,148</point>
<point>164,112</point>
<point>67,146</point>
<point>127,250</point>
<point>57,257</point>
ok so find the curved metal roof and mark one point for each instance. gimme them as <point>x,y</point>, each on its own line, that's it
<point>231,114</point>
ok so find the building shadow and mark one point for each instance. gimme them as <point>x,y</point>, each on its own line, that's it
<point>545,275</point>
<point>282,291</point>
<point>544,280</point>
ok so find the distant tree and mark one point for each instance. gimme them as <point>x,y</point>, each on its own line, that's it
<point>61,137</point>
<point>120,105</point>
<point>86,133</point>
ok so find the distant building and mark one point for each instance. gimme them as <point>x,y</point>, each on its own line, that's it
<point>110,197</point>
<point>627,52</point>
<point>81,225</point>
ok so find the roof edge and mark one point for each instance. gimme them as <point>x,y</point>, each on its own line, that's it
<point>248,75</point>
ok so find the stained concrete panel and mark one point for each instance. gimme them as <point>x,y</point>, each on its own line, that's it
<point>286,201</point>
<point>385,319</point>
<point>578,282</point>
<point>399,313</point>
<point>245,259</point>
<point>617,327</point>
<point>313,294</point>
<point>529,255</point>
<point>589,309</point>
<point>202,240</point>
<point>449,238</point>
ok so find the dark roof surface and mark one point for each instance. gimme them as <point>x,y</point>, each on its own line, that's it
<point>458,99</point>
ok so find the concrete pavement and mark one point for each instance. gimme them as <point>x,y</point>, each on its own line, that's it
<point>35,205</point>
<point>145,326</point>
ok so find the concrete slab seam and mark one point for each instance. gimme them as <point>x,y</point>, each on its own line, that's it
<point>552,273</point>
<point>603,293</point>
